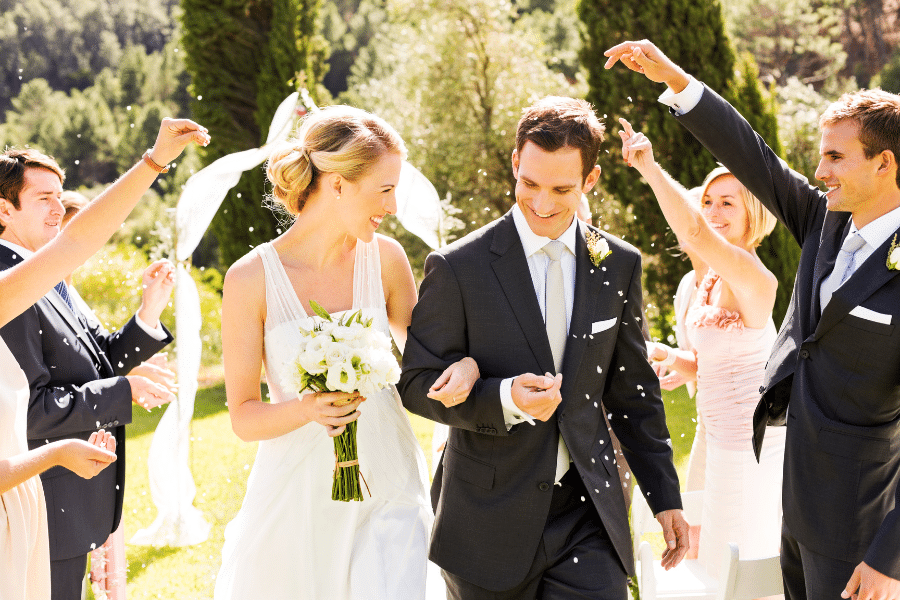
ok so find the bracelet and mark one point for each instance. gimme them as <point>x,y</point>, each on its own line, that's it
<point>670,358</point>
<point>152,163</point>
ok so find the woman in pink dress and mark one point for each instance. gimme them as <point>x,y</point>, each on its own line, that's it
<point>24,544</point>
<point>730,327</point>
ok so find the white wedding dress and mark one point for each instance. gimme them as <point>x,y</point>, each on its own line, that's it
<point>290,540</point>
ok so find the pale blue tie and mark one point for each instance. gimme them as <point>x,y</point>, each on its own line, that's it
<point>844,266</point>
<point>555,323</point>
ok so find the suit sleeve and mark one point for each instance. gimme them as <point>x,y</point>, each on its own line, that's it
<point>633,401</point>
<point>883,554</point>
<point>58,409</point>
<point>130,345</point>
<point>436,339</point>
<point>787,194</point>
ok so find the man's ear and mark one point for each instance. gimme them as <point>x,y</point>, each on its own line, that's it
<point>515,163</point>
<point>591,180</point>
<point>6,208</point>
<point>888,162</point>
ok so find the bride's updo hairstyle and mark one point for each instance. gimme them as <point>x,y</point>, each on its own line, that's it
<point>336,139</point>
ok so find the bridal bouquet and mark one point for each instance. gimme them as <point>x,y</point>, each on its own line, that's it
<point>343,355</point>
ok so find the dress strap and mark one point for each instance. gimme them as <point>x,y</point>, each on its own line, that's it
<point>281,300</point>
<point>368,292</point>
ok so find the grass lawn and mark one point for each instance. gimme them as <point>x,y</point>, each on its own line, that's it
<point>220,463</point>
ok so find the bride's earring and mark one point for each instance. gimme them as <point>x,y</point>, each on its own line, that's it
<point>338,197</point>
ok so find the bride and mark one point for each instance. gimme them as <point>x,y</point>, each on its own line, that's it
<point>289,539</point>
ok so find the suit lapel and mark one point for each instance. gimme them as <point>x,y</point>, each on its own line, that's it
<point>71,319</point>
<point>12,258</point>
<point>871,276</point>
<point>512,272</point>
<point>588,290</point>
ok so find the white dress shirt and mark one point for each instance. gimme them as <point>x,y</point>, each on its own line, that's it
<point>875,234</point>
<point>537,266</point>
<point>157,333</point>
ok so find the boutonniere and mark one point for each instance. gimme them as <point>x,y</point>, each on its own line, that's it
<point>893,257</point>
<point>597,247</point>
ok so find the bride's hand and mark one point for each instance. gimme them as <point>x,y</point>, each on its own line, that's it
<point>636,148</point>
<point>333,410</point>
<point>455,383</point>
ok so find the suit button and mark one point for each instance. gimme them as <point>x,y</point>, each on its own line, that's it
<point>543,486</point>
<point>115,422</point>
<point>804,353</point>
<point>762,389</point>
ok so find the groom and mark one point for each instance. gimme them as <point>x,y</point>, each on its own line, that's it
<point>526,497</point>
<point>837,356</point>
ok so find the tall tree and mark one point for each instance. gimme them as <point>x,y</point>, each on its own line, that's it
<point>245,56</point>
<point>692,33</point>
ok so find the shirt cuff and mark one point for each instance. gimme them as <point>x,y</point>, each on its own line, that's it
<point>157,333</point>
<point>686,99</point>
<point>512,414</point>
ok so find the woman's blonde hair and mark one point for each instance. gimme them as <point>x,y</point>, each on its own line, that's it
<point>760,222</point>
<point>337,139</point>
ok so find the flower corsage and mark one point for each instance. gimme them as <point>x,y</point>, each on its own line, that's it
<point>597,247</point>
<point>893,257</point>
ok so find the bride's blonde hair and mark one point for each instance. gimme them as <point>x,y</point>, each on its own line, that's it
<point>336,139</point>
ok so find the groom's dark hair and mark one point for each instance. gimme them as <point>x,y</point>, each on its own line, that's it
<point>556,122</point>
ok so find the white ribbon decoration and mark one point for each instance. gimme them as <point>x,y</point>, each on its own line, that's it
<point>178,522</point>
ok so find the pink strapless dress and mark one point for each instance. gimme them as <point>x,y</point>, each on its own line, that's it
<point>742,498</point>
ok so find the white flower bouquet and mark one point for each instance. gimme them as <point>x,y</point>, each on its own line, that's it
<point>344,355</point>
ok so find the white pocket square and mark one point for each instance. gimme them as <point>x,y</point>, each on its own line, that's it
<point>602,325</point>
<point>870,315</point>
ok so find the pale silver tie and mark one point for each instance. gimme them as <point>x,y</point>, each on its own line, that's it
<point>555,322</point>
<point>844,266</point>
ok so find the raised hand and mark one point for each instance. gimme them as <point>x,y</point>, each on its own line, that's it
<point>87,459</point>
<point>537,395</point>
<point>157,285</point>
<point>645,58</point>
<point>174,135</point>
<point>455,383</point>
<point>636,147</point>
<point>148,394</point>
<point>333,410</point>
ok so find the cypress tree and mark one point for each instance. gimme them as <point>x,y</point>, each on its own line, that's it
<point>692,34</point>
<point>245,57</point>
<point>780,251</point>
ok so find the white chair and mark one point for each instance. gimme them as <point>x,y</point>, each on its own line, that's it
<point>689,580</point>
<point>749,579</point>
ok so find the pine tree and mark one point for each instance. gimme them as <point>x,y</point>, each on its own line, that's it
<point>245,57</point>
<point>692,34</point>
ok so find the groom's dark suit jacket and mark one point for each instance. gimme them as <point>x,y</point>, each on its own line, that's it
<point>839,372</point>
<point>72,365</point>
<point>493,487</point>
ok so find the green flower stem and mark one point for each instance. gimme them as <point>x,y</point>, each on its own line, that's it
<point>346,485</point>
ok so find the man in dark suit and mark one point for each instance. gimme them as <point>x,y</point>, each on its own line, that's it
<point>526,497</point>
<point>836,362</point>
<point>72,369</point>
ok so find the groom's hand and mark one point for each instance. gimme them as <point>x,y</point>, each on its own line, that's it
<point>676,532</point>
<point>868,584</point>
<point>537,395</point>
